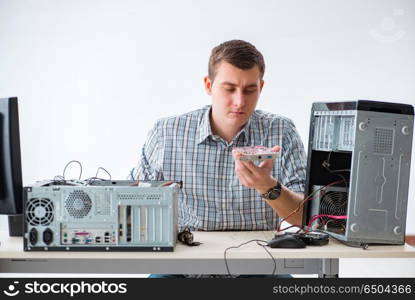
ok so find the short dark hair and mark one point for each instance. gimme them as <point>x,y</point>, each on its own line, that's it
<point>238,53</point>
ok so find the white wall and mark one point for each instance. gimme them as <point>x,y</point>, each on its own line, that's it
<point>92,76</point>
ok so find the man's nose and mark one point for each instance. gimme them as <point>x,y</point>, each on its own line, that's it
<point>238,99</point>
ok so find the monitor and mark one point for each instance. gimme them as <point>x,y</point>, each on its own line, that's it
<point>11,187</point>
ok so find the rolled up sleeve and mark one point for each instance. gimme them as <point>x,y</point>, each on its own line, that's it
<point>150,161</point>
<point>293,160</point>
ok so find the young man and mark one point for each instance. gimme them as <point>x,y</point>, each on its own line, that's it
<point>220,192</point>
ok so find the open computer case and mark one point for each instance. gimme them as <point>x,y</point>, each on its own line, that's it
<point>359,157</point>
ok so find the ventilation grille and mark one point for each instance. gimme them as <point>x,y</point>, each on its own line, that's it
<point>39,211</point>
<point>347,131</point>
<point>140,197</point>
<point>383,140</point>
<point>334,132</point>
<point>324,132</point>
<point>102,206</point>
<point>335,204</point>
<point>78,204</point>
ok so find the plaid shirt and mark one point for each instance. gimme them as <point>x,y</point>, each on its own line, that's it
<point>212,198</point>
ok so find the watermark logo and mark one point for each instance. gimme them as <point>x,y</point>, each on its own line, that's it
<point>65,288</point>
<point>12,291</point>
<point>389,30</point>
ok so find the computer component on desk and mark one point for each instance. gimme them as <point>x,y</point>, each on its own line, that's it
<point>359,158</point>
<point>101,215</point>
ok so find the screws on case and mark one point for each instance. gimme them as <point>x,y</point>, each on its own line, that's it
<point>362,126</point>
<point>405,130</point>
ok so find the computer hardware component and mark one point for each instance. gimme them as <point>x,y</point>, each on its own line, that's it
<point>286,241</point>
<point>11,187</point>
<point>101,215</point>
<point>314,238</point>
<point>258,153</point>
<point>186,237</point>
<point>358,170</point>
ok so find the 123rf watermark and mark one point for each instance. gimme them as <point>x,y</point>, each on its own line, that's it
<point>363,289</point>
<point>63,288</point>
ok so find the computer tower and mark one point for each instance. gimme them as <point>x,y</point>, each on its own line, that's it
<point>359,157</point>
<point>101,215</point>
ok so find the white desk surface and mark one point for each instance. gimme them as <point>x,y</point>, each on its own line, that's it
<point>214,244</point>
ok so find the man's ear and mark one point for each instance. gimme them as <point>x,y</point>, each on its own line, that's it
<point>261,85</point>
<point>208,85</point>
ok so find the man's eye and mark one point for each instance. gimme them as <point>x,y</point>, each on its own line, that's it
<point>229,89</point>
<point>250,91</point>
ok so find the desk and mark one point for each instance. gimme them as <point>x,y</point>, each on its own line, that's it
<point>207,258</point>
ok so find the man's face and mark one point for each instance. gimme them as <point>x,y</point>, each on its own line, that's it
<point>235,93</point>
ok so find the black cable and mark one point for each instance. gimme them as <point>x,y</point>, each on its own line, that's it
<point>250,241</point>
<point>326,165</point>
<point>273,259</point>
<point>364,246</point>
<point>73,161</point>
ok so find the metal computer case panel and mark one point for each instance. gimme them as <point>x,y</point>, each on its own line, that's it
<point>378,195</point>
<point>102,216</point>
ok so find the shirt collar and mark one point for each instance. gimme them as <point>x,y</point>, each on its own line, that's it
<point>205,129</point>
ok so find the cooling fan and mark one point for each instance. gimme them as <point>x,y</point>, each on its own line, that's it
<point>78,204</point>
<point>333,203</point>
<point>39,211</point>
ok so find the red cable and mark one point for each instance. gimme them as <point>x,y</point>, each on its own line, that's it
<point>302,203</point>
<point>316,217</point>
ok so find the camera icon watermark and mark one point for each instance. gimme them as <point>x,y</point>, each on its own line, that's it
<point>11,290</point>
<point>389,30</point>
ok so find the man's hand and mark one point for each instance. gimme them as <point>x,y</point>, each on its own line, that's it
<point>256,177</point>
<point>260,178</point>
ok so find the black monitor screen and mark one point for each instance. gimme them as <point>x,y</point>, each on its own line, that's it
<point>11,188</point>
<point>2,170</point>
